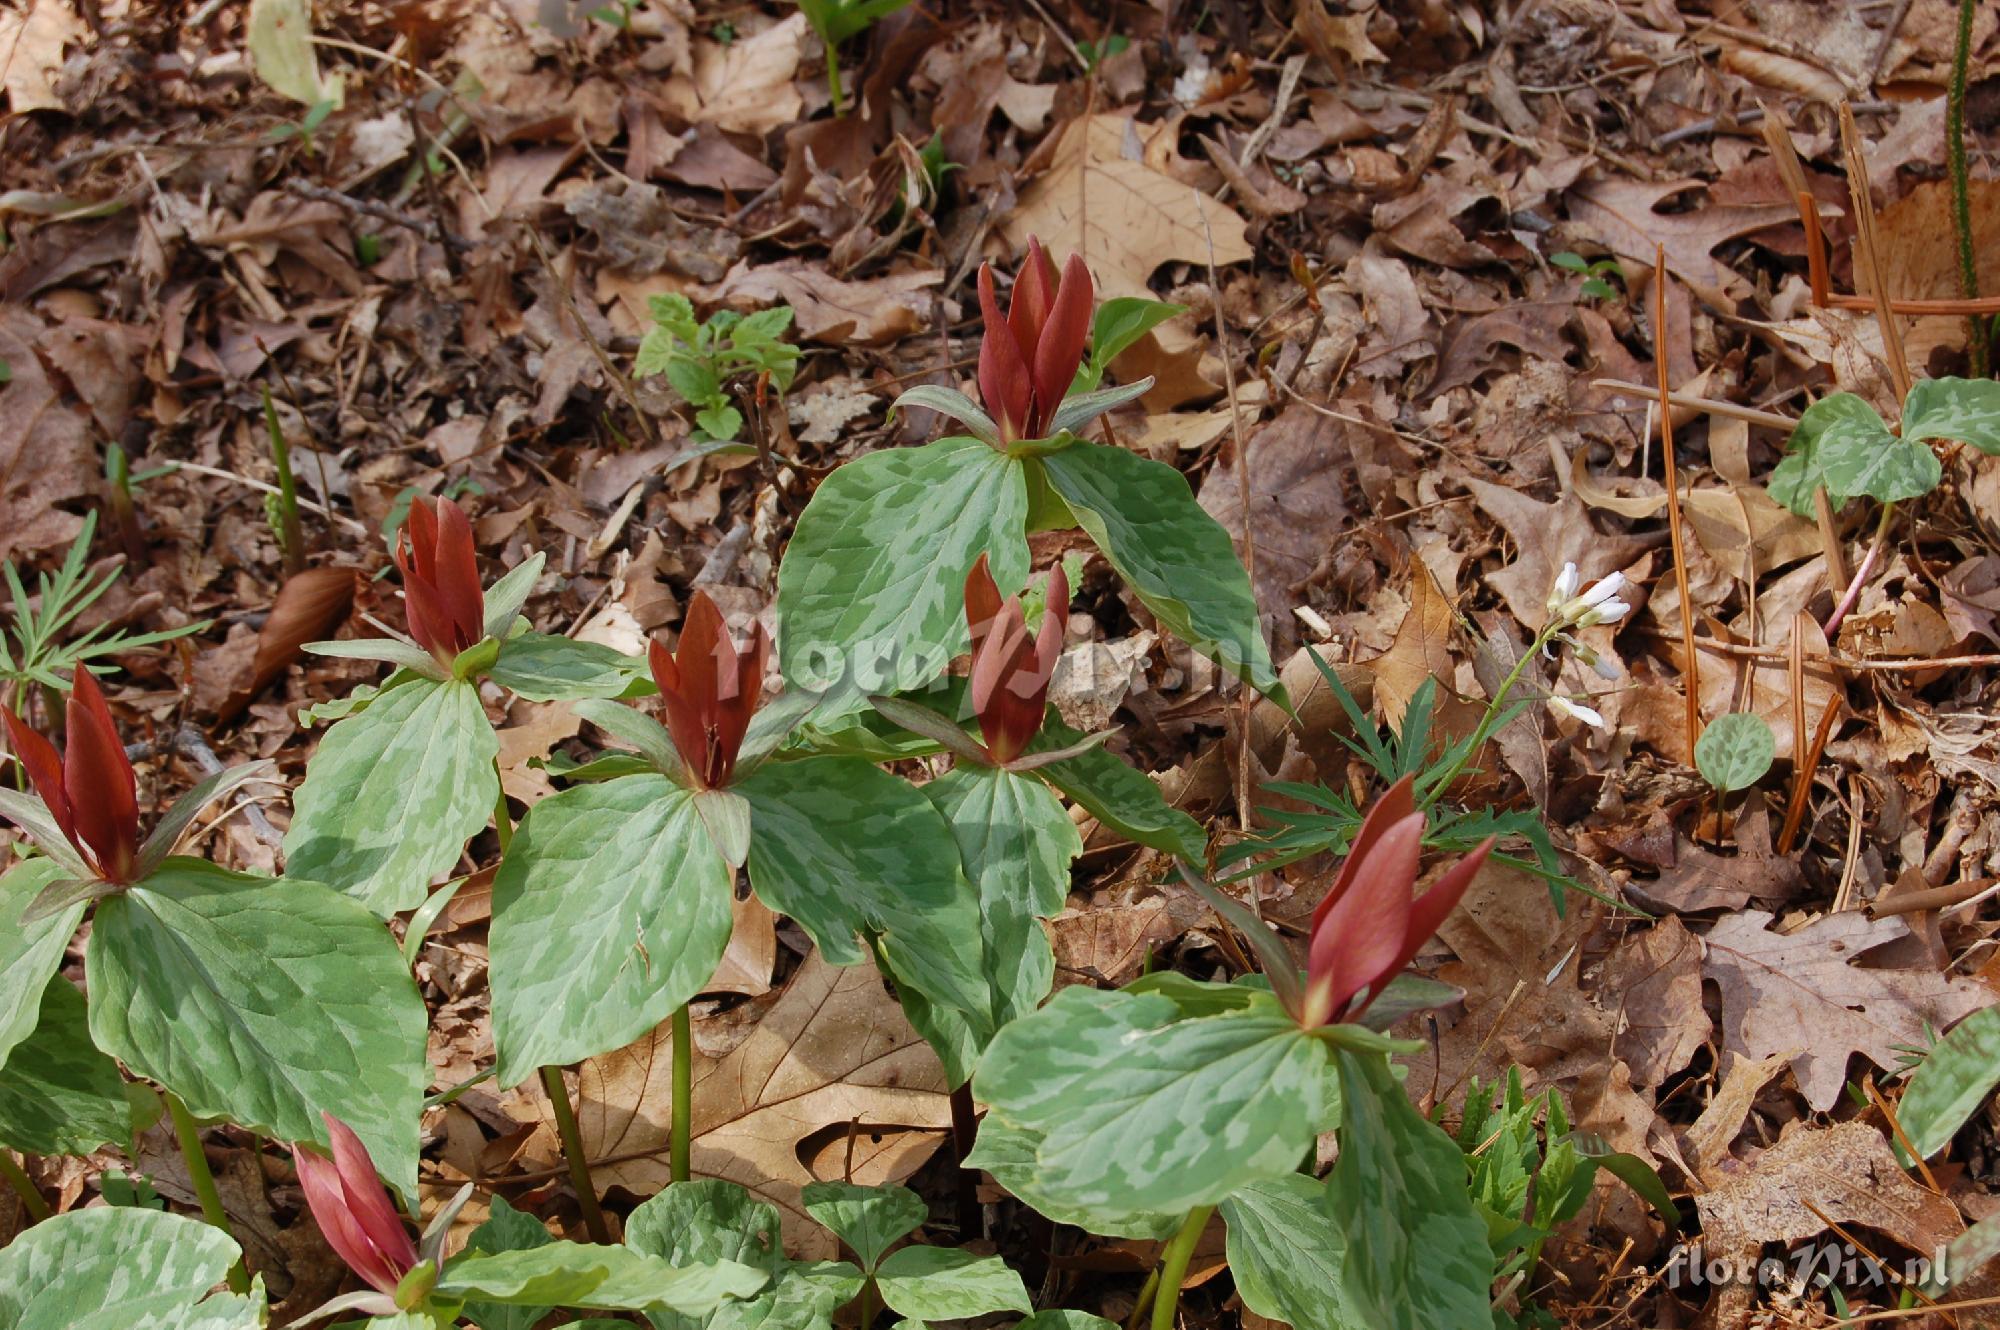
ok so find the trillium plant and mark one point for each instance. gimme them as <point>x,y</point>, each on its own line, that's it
<point>868,591</point>
<point>898,808</point>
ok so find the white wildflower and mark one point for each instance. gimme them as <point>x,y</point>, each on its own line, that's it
<point>1563,707</point>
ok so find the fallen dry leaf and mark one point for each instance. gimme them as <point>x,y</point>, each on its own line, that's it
<point>746,86</point>
<point>1100,200</point>
<point>1655,975</point>
<point>1779,990</point>
<point>1421,651</point>
<point>870,311</point>
<point>33,44</point>
<point>1624,215</point>
<point>46,457</point>
<point>834,1049</point>
<point>1844,1173</point>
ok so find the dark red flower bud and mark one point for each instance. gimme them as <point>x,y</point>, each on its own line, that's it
<point>89,791</point>
<point>1010,670</point>
<point>443,601</point>
<point>354,1211</point>
<point>710,690</point>
<point>1028,358</point>
<point>1368,927</point>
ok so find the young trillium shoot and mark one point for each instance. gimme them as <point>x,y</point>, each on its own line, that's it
<point>1011,671</point>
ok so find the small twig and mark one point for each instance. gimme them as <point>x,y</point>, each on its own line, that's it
<point>1691,678</point>
<point>308,504</point>
<point>1703,404</point>
<point>424,226</point>
<point>190,744</point>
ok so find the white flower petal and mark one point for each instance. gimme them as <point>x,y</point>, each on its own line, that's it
<point>1562,706</point>
<point>1567,582</point>
<point>1604,590</point>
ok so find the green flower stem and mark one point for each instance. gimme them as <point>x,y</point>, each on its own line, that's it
<point>681,1143</point>
<point>24,1187</point>
<point>189,1136</point>
<point>833,79</point>
<point>1493,710</point>
<point>1144,1301</point>
<point>1173,1266</point>
<point>1978,344</point>
<point>572,1146</point>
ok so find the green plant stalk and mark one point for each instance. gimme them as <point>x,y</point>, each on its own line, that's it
<point>1142,1303</point>
<point>1173,1266</point>
<point>24,1187</point>
<point>572,1147</point>
<point>833,78</point>
<point>1978,337</point>
<point>681,1141</point>
<point>290,536</point>
<point>189,1136</point>
<point>1493,709</point>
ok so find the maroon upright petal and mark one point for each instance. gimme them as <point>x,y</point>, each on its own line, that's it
<point>327,1199</point>
<point>1006,384</point>
<point>424,612</point>
<point>97,776</point>
<point>1428,912</point>
<point>464,603</point>
<point>422,530</point>
<point>733,718</point>
<point>1354,943</point>
<point>38,758</point>
<point>1060,349</point>
<point>982,602</point>
<point>1396,804</point>
<point>368,1200</point>
<point>1034,296</point>
<point>1055,622</point>
<point>684,722</point>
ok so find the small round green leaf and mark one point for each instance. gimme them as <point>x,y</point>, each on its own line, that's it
<point>1735,751</point>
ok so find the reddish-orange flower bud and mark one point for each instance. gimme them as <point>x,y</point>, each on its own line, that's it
<point>1010,670</point>
<point>710,690</point>
<point>89,791</point>
<point>1029,357</point>
<point>354,1211</point>
<point>1369,927</point>
<point>443,601</point>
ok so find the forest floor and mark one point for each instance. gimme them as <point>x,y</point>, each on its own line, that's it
<point>438,287</point>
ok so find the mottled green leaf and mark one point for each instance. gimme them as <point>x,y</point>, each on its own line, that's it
<point>1150,1112</point>
<point>506,1229</point>
<point>1735,751</point>
<point>545,668</point>
<point>1417,1254</point>
<point>1801,471</point>
<point>571,1274</point>
<point>1016,842</point>
<point>1287,1255</point>
<point>869,1220</point>
<point>1175,557</point>
<point>1867,459</point>
<point>871,590</point>
<point>118,1268</point>
<point>610,910</point>
<point>842,846</point>
<point>1009,1153</point>
<point>393,794</point>
<point>1121,798</point>
<point>58,1094</point>
<point>264,1001</point>
<point>1953,1081</point>
<point>1063,1318</point>
<point>1967,410</point>
<point>949,1284</point>
<point>29,953</point>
